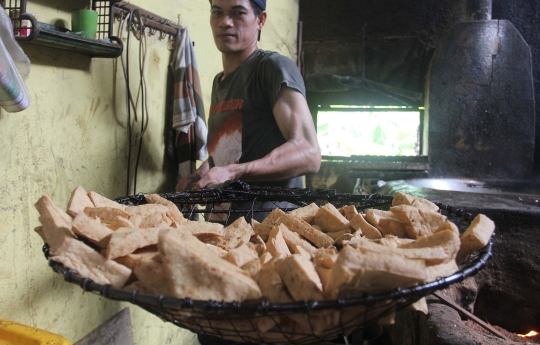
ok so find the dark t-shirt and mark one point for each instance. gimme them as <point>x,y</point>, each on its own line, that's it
<point>241,125</point>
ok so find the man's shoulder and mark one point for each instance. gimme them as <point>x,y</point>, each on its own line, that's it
<point>272,58</point>
<point>271,55</point>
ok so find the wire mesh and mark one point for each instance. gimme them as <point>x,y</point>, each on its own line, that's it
<point>16,9</point>
<point>262,322</point>
<point>104,25</point>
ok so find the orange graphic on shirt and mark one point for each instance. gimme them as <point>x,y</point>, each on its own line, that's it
<point>229,105</point>
<point>225,132</point>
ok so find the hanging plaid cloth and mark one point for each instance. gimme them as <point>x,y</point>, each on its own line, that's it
<point>188,121</point>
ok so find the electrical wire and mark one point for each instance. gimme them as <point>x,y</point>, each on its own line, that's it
<point>129,99</point>
<point>142,88</point>
<point>142,94</point>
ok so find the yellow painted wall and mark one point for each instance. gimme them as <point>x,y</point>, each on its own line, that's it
<point>74,133</point>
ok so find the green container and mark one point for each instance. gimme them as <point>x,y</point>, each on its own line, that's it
<point>85,22</point>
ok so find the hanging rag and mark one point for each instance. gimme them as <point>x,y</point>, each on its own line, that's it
<point>188,121</point>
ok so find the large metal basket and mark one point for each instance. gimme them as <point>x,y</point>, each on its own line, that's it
<point>240,321</point>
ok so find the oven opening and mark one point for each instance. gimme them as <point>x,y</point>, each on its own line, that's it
<point>367,130</point>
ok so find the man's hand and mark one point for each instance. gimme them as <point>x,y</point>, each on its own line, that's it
<point>218,175</point>
<point>185,181</point>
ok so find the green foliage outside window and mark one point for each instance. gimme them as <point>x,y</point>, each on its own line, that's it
<point>381,133</point>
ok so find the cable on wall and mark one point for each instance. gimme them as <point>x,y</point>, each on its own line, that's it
<point>134,26</point>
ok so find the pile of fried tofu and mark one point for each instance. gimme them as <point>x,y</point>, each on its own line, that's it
<point>313,253</point>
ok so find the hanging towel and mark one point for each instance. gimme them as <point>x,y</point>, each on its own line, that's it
<point>188,109</point>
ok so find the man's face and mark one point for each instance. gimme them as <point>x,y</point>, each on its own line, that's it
<point>234,25</point>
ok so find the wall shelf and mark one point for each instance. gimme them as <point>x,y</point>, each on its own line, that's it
<point>28,29</point>
<point>48,35</point>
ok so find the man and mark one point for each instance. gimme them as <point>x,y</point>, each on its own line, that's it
<point>260,127</point>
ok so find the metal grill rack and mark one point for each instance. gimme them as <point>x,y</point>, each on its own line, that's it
<point>23,23</point>
<point>241,321</point>
<point>105,18</point>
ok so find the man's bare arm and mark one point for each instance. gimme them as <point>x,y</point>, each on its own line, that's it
<point>298,156</point>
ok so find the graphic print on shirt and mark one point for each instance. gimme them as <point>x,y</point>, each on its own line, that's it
<point>225,132</point>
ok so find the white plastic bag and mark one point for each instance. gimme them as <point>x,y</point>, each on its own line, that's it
<point>14,69</point>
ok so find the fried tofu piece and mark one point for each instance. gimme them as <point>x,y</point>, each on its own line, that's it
<point>125,241</point>
<point>51,215</point>
<point>338,234</point>
<point>149,215</point>
<point>306,213</point>
<point>329,219</point>
<point>343,239</point>
<point>78,201</point>
<point>151,275</point>
<point>295,249</point>
<point>358,222</point>
<point>476,236</point>
<point>132,260</point>
<point>264,324</point>
<point>359,271</point>
<point>100,201</point>
<point>196,272</point>
<point>172,210</point>
<point>265,257</point>
<point>272,287</point>
<point>55,224</point>
<point>263,228</point>
<point>325,257</point>
<point>431,255</point>
<point>276,243</point>
<point>120,222</point>
<point>386,222</point>
<point>420,305</point>
<point>196,227</point>
<point>318,238</point>
<point>388,241</point>
<point>260,246</point>
<point>237,232</point>
<point>348,211</point>
<point>295,242</point>
<point>105,214</point>
<point>325,275</point>
<point>216,250</point>
<point>253,267</point>
<point>440,271</point>
<point>91,229</point>
<point>421,203</point>
<point>447,225</point>
<point>88,263</point>
<point>300,278</point>
<point>241,255</point>
<point>447,239</point>
<point>213,239</point>
<point>418,223</point>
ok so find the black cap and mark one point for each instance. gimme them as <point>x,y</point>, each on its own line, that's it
<point>261,3</point>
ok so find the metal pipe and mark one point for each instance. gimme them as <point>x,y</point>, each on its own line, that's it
<point>149,19</point>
